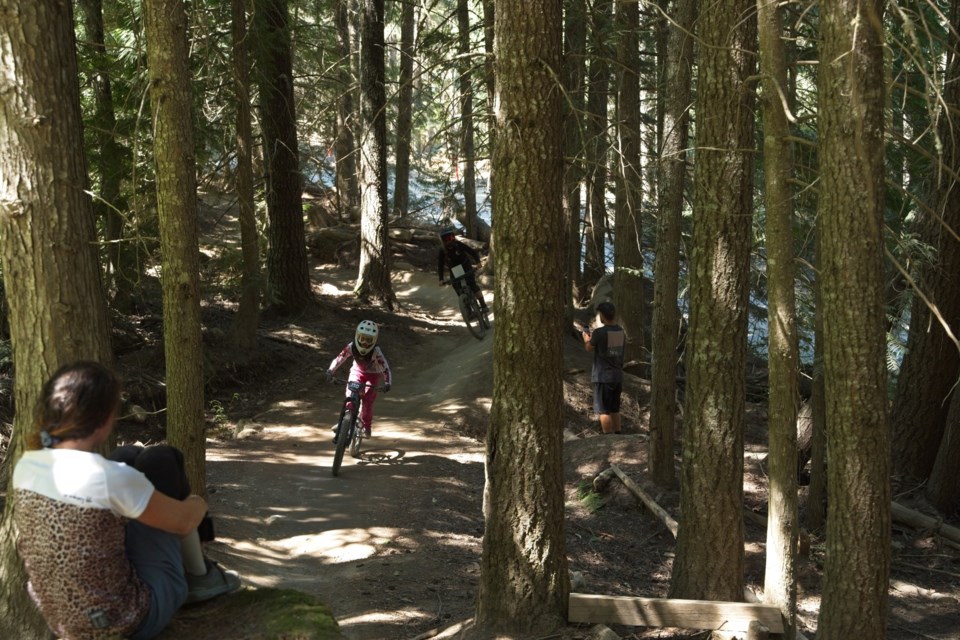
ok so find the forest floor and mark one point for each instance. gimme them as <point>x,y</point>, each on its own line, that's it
<point>393,544</point>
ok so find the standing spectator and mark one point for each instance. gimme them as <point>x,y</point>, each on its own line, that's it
<point>606,343</point>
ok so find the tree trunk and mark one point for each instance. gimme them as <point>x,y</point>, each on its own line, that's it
<point>943,490</point>
<point>710,556</point>
<point>108,157</point>
<point>524,587</point>
<point>851,101</point>
<point>930,366</point>
<point>401,184</point>
<point>575,45</point>
<point>600,52</point>
<point>288,278</point>
<point>489,14</point>
<point>348,190</point>
<point>165,26</point>
<point>373,280</point>
<point>666,264</point>
<point>816,508</point>
<point>780,588</point>
<point>628,289</point>
<point>244,329</point>
<point>467,151</point>
<point>57,306</point>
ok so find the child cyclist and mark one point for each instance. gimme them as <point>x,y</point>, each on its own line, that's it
<point>370,367</point>
<point>111,545</point>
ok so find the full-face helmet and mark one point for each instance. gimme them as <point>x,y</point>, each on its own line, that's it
<point>366,336</point>
<point>448,235</point>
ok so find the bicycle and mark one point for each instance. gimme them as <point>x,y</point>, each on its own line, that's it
<point>475,319</point>
<point>348,430</point>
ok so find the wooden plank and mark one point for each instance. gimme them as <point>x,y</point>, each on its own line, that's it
<point>664,612</point>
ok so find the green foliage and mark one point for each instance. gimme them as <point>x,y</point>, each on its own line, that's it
<point>220,412</point>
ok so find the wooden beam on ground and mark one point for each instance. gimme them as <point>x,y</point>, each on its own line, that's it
<point>645,497</point>
<point>664,612</point>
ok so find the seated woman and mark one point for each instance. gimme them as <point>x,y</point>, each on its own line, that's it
<point>111,547</point>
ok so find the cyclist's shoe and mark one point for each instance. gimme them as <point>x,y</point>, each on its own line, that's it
<point>336,430</point>
<point>215,582</point>
<point>366,432</point>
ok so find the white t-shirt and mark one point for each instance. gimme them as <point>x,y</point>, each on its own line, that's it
<point>70,510</point>
<point>84,479</point>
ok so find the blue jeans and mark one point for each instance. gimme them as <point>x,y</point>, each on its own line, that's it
<point>156,555</point>
<point>157,559</point>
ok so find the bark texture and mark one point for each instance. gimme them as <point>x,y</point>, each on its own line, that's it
<point>783,349</point>
<point>467,150</point>
<point>401,186</point>
<point>598,145</point>
<point>851,100</point>
<point>244,328</point>
<point>108,158</point>
<point>373,280</point>
<point>348,189</point>
<point>524,581</point>
<point>710,556</point>
<point>288,279</point>
<point>57,307</point>
<point>574,67</point>
<point>930,367</point>
<point>672,171</point>
<point>628,289</point>
<point>165,24</point>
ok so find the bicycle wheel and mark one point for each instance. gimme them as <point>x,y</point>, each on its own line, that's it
<point>356,440</point>
<point>470,311</point>
<point>344,435</point>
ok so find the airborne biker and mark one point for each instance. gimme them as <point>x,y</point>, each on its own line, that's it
<point>453,253</point>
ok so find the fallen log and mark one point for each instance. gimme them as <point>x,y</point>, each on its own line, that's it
<point>645,497</point>
<point>917,520</point>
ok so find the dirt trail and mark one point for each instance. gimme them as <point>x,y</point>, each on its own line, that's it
<point>379,542</point>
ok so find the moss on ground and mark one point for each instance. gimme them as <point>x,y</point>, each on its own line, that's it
<point>256,614</point>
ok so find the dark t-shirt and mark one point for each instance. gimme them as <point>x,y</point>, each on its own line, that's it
<point>457,253</point>
<point>607,342</point>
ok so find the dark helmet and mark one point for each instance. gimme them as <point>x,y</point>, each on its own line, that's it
<point>448,234</point>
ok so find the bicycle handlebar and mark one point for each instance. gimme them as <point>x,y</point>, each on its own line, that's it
<point>377,387</point>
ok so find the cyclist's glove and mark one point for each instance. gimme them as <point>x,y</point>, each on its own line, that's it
<point>386,387</point>
<point>329,375</point>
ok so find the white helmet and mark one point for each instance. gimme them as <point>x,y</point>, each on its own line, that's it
<point>366,337</point>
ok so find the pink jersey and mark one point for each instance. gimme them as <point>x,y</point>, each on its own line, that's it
<point>373,362</point>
